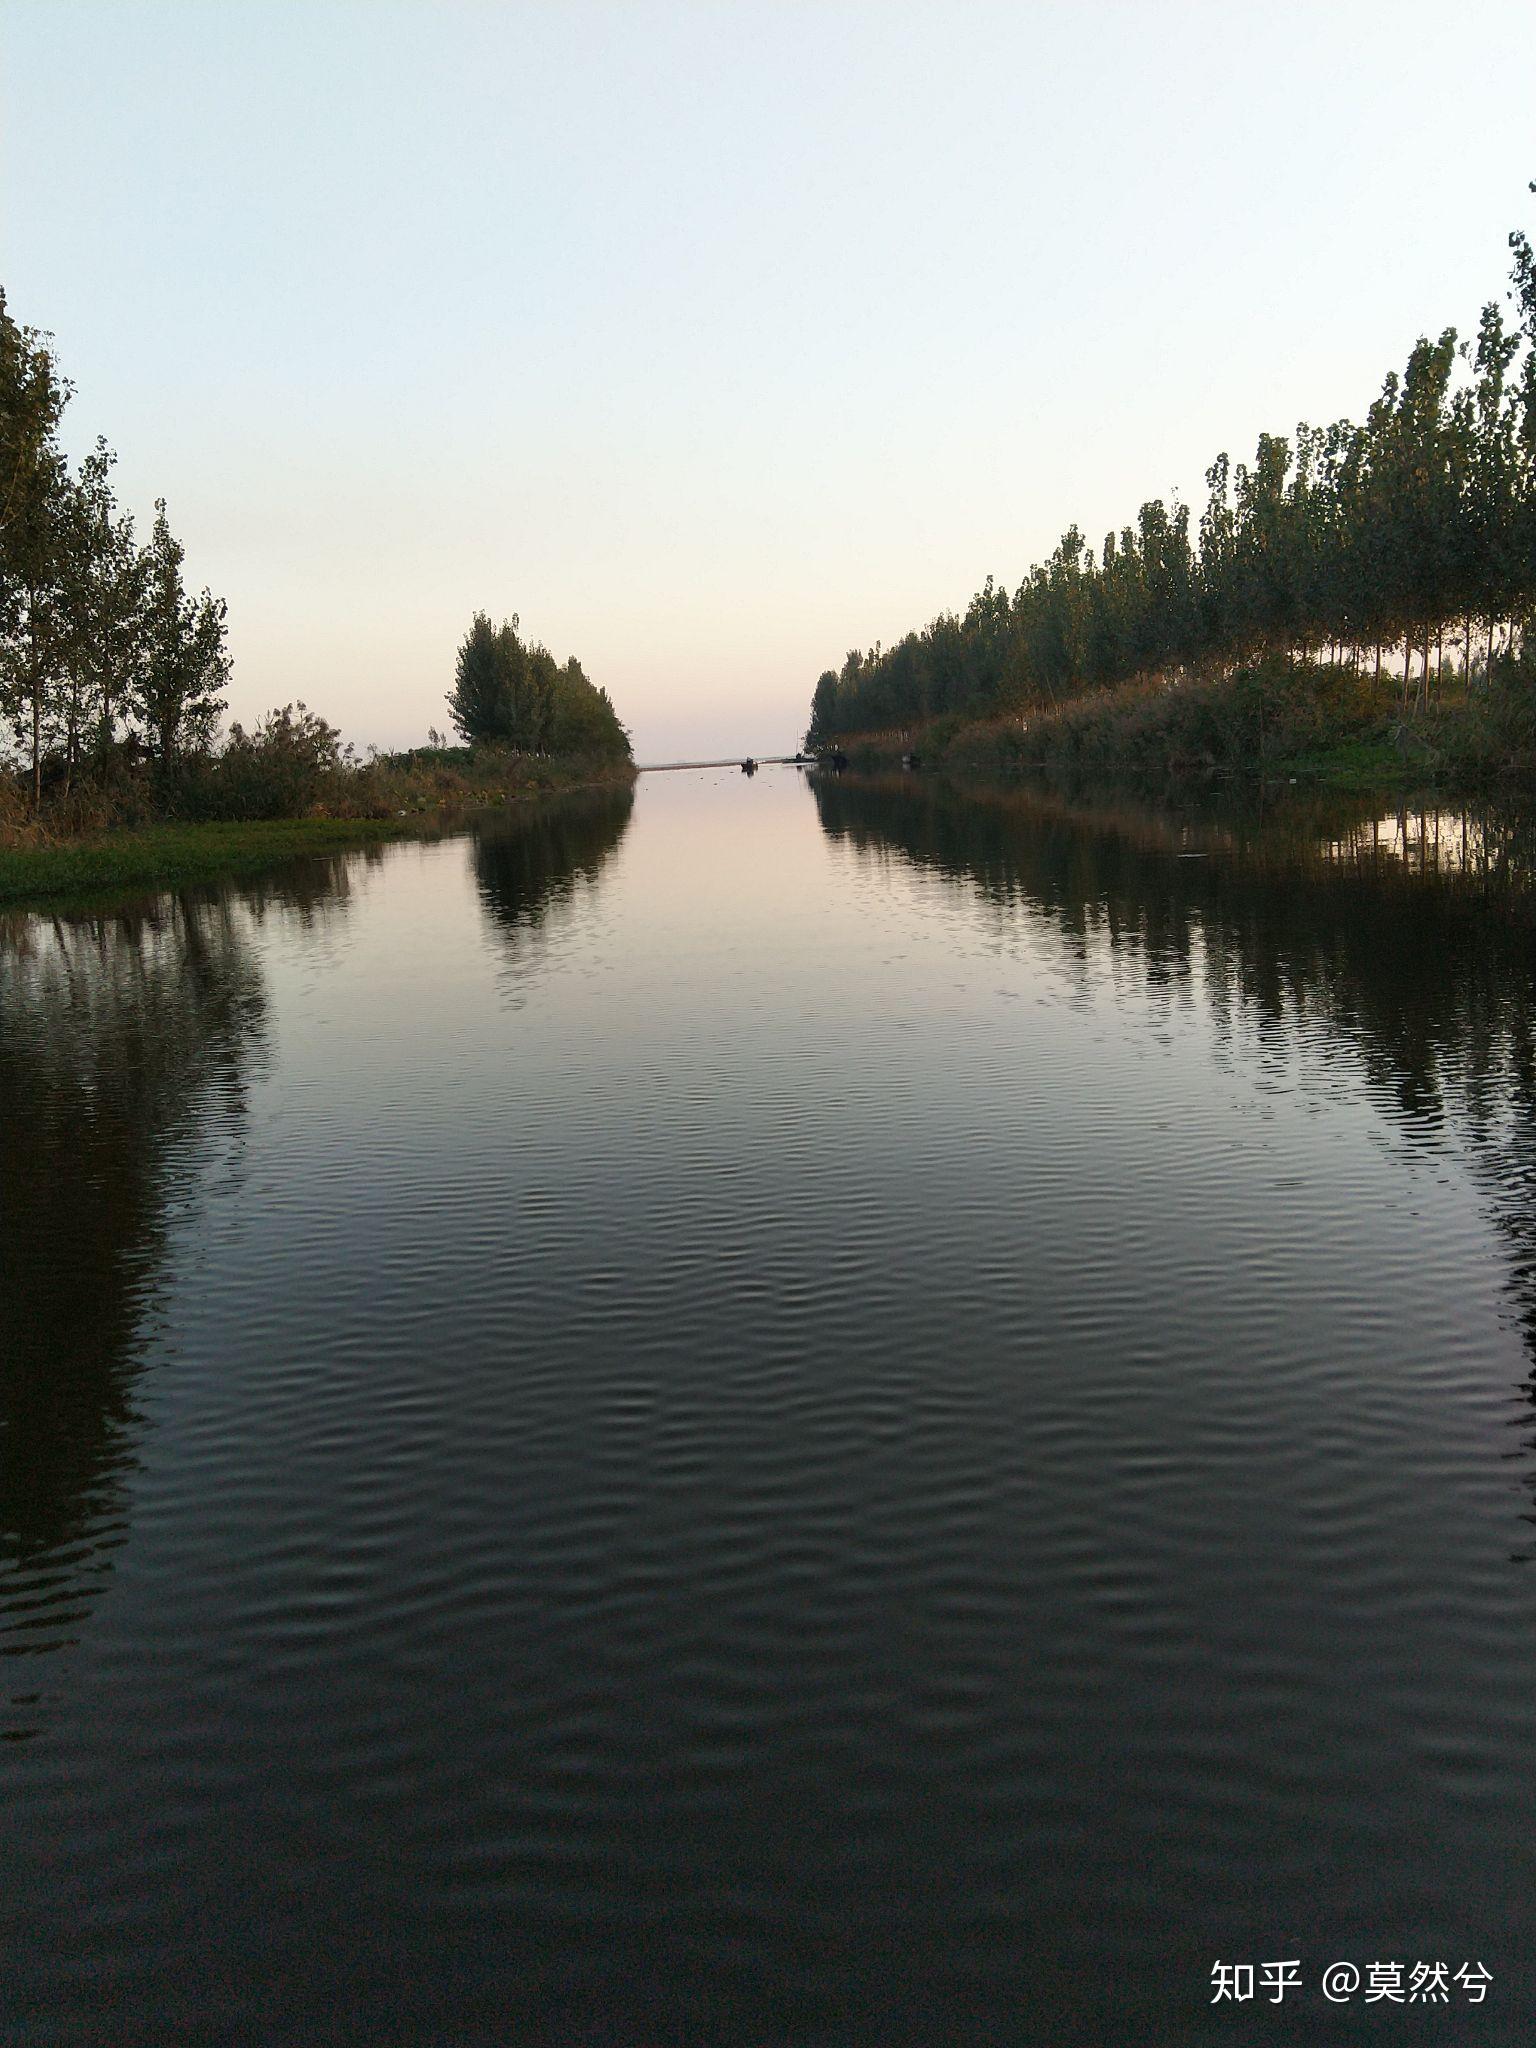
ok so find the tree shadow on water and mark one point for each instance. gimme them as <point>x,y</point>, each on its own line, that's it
<point>1398,941</point>
<point>533,861</point>
<point>127,1044</point>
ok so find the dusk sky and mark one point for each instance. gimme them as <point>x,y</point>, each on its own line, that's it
<point>713,341</point>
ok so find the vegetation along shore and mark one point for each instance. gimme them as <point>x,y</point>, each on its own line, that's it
<point>389,797</point>
<point>1355,603</point>
<point>114,765</point>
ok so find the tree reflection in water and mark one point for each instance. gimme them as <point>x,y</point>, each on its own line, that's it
<point>533,859</point>
<point>1402,939</point>
<point>127,1045</point>
<point>128,1042</point>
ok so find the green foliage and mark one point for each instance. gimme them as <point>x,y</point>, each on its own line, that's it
<point>291,765</point>
<point>33,489</point>
<point>1367,547</point>
<point>94,630</point>
<point>1273,717</point>
<point>508,694</point>
<point>174,856</point>
<point>112,675</point>
<point>582,718</point>
<point>482,699</point>
<point>183,659</point>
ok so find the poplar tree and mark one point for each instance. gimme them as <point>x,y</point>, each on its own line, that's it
<point>1335,543</point>
<point>92,628</point>
<point>508,694</point>
<point>32,485</point>
<point>183,660</point>
<point>478,703</point>
<point>107,589</point>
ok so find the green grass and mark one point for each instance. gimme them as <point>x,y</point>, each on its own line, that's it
<point>1358,767</point>
<point>1327,726</point>
<point>391,797</point>
<point>175,856</point>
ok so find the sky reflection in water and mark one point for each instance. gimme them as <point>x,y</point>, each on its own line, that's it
<point>771,1413</point>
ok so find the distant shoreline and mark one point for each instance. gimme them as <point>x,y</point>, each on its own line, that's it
<point>729,761</point>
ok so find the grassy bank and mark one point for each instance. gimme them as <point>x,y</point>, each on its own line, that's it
<point>1322,724</point>
<point>83,854</point>
<point>434,778</point>
<point>176,856</point>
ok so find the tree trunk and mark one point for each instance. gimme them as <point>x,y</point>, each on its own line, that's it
<point>72,723</point>
<point>35,678</point>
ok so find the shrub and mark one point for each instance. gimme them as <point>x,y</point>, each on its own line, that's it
<point>292,764</point>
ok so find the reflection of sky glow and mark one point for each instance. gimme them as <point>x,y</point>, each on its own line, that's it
<point>749,1369</point>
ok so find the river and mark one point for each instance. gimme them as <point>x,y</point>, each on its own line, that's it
<point>776,1413</point>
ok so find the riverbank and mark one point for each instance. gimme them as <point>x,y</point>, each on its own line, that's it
<point>389,800</point>
<point>176,856</point>
<point>1312,722</point>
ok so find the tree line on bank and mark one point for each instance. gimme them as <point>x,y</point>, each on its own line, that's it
<point>511,694</point>
<point>102,648</point>
<point>112,673</point>
<point>1396,541</point>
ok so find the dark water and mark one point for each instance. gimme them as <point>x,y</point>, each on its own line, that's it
<point>774,1417</point>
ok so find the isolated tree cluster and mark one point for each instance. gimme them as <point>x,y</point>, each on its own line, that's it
<point>103,651</point>
<point>1357,542</point>
<point>514,695</point>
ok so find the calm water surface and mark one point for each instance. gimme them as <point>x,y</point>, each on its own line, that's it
<point>767,1415</point>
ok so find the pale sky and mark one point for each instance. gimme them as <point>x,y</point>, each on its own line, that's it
<point>714,340</point>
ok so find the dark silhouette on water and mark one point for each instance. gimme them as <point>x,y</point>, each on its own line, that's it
<point>946,1398</point>
<point>531,859</point>
<point>125,1038</point>
<point>1420,967</point>
<point>122,1035</point>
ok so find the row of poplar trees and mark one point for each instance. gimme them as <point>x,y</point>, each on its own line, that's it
<point>511,694</point>
<point>1389,541</point>
<point>103,652</point>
